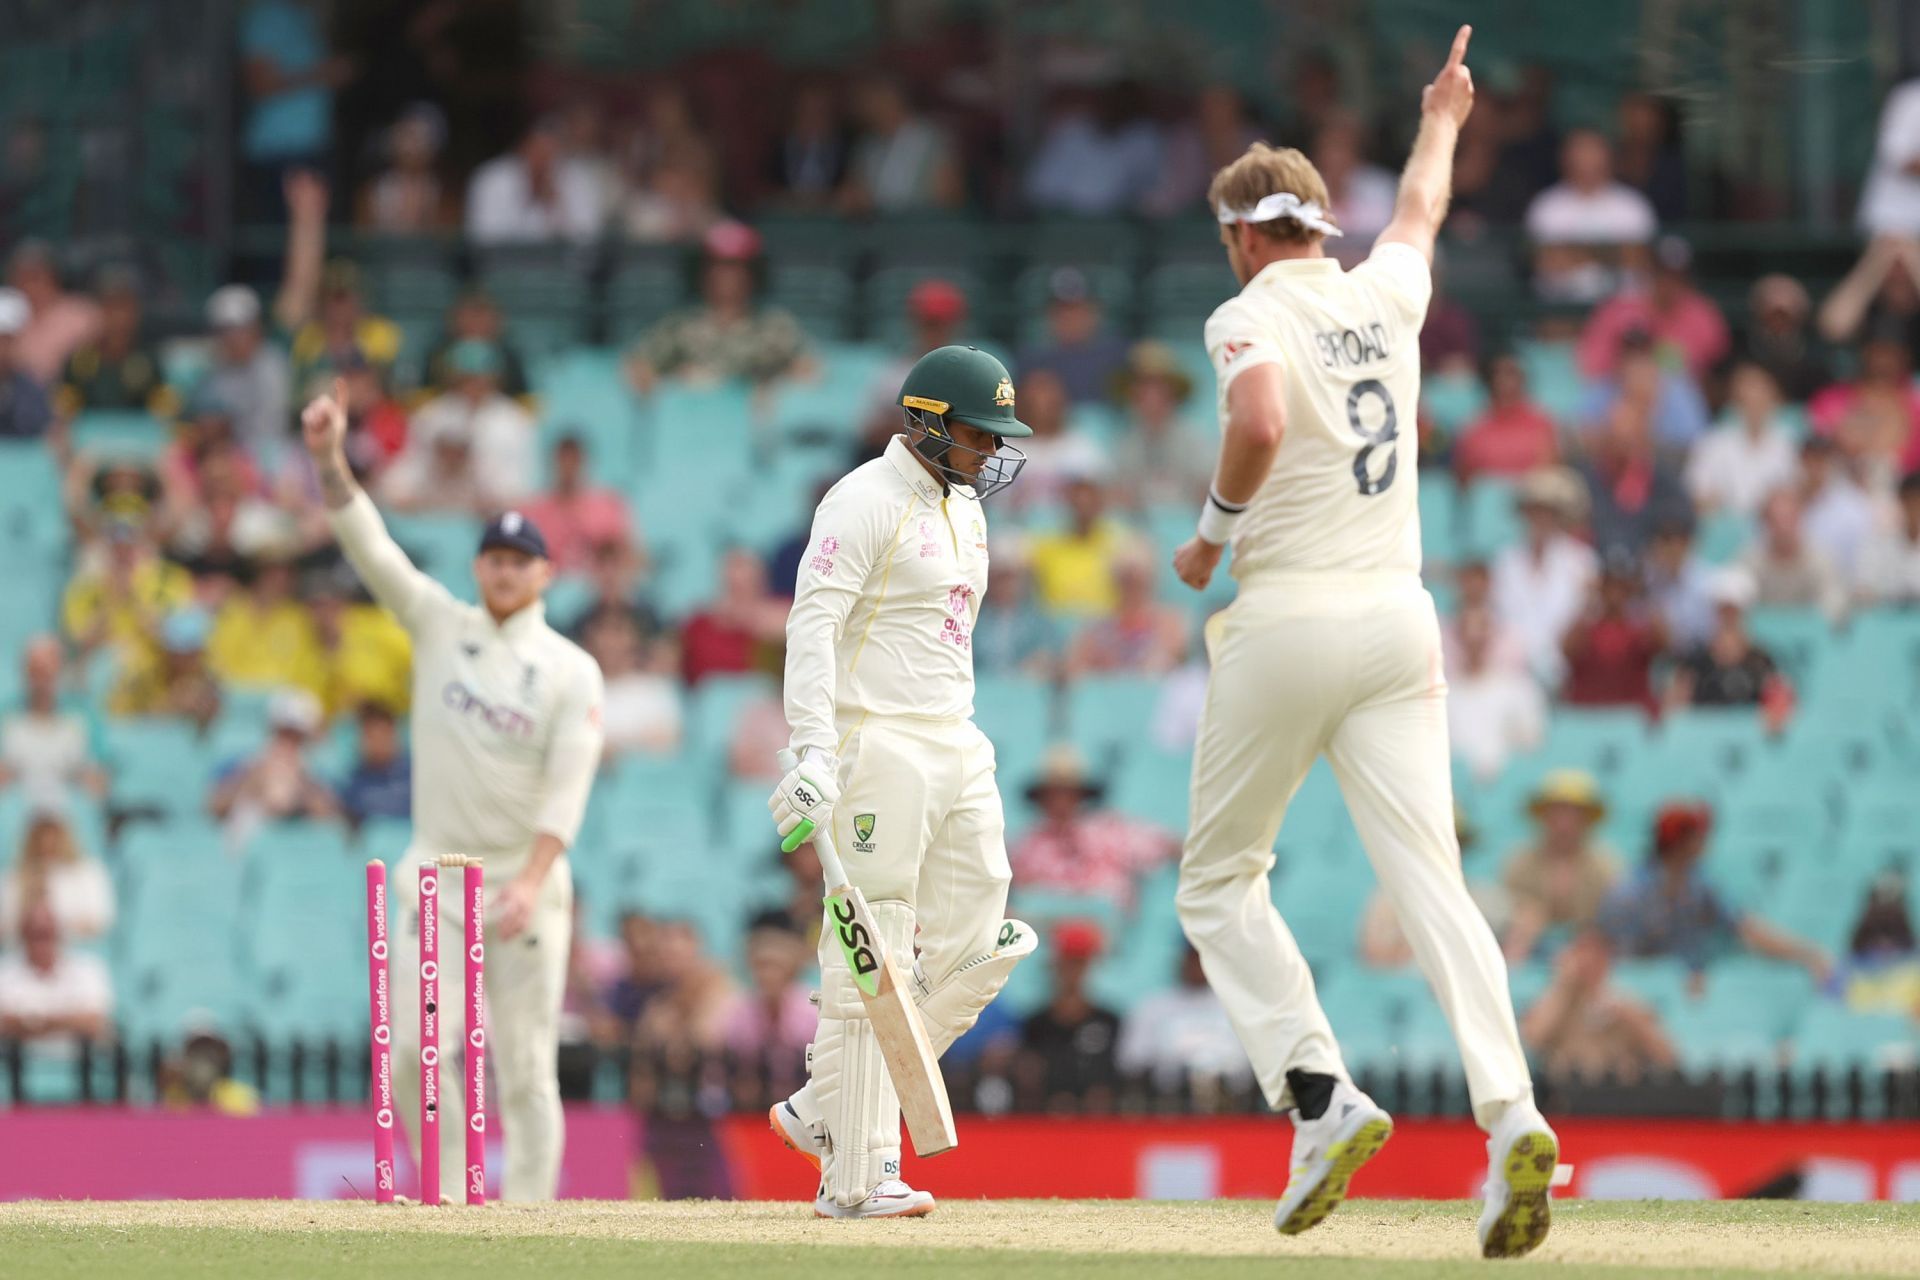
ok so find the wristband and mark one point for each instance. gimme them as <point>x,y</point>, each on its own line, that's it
<point>1219,517</point>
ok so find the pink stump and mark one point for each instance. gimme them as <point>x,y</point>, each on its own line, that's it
<point>429,1034</point>
<point>475,916</point>
<point>380,1032</point>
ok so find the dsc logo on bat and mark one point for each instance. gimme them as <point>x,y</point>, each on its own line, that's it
<point>856,943</point>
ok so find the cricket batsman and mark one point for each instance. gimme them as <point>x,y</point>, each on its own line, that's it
<point>506,738</point>
<point>879,699</point>
<point>1332,647</point>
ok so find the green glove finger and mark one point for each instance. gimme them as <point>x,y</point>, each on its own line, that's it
<point>798,836</point>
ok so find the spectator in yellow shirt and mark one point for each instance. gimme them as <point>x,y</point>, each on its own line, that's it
<point>263,637</point>
<point>175,681</point>
<point>365,655</point>
<point>1073,570</point>
<point>119,602</point>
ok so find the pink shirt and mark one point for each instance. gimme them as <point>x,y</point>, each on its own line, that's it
<point>748,1029</point>
<point>1506,442</point>
<point>1101,854</point>
<point>1694,327</point>
<point>1829,409</point>
<point>53,334</point>
<point>574,526</point>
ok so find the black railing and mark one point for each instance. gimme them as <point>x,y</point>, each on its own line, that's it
<point>677,1083</point>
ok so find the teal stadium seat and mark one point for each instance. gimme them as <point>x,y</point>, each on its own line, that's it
<point>1489,520</point>
<point>440,545</point>
<point>1795,638</point>
<point>1599,740</point>
<point>1109,716</point>
<point>136,436</point>
<point>32,522</point>
<point>157,764</point>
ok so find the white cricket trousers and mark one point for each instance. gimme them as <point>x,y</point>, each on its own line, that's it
<point>921,831</point>
<point>938,835</point>
<point>525,980</point>
<point>1304,666</point>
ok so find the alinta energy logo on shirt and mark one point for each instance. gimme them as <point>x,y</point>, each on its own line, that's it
<point>956,628</point>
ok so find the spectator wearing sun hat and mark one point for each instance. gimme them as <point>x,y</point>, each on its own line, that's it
<point>1559,879</point>
<point>1163,456</point>
<point>728,334</point>
<point>1078,846</point>
<point>1669,908</point>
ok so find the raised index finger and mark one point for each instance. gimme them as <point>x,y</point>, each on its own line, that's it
<point>1459,53</point>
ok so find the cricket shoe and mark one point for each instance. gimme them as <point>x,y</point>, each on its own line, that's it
<point>1327,1152</point>
<point>891,1199</point>
<point>1521,1156</point>
<point>801,1138</point>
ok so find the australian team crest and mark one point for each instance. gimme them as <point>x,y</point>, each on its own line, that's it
<point>1003,394</point>
<point>863,832</point>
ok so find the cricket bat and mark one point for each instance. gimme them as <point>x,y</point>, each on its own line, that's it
<point>911,1062</point>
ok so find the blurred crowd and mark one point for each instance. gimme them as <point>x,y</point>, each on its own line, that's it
<point>203,572</point>
<point>439,121</point>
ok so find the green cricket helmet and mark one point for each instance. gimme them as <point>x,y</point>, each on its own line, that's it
<point>967,385</point>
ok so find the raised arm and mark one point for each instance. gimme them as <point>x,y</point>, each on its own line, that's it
<point>379,561</point>
<point>1426,185</point>
<point>306,195</point>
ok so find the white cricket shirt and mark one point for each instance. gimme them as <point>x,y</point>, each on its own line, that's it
<point>506,716</point>
<point>885,600</point>
<point>1341,496</point>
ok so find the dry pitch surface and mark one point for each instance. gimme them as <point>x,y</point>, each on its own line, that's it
<point>982,1240</point>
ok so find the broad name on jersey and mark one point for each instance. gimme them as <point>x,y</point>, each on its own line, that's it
<point>1346,348</point>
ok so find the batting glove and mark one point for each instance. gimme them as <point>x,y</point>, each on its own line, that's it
<point>805,798</point>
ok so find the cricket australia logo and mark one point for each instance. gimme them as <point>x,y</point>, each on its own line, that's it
<point>1003,394</point>
<point>863,832</point>
<point>956,628</point>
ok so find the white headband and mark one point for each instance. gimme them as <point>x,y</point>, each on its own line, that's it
<point>1284,204</point>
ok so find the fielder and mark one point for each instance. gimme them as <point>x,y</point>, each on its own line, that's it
<point>879,696</point>
<point>506,738</point>
<point>1332,647</point>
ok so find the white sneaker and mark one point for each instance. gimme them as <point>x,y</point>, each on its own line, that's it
<point>1521,1155</point>
<point>1326,1154</point>
<point>891,1199</point>
<point>800,1137</point>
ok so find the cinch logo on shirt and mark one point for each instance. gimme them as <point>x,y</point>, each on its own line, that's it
<point>457,697</point>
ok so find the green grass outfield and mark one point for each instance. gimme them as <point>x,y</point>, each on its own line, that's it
<point>981,1240</point>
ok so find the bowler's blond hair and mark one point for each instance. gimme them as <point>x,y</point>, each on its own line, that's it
<point>1261,172</point>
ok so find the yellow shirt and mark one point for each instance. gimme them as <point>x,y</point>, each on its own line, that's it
<point>266,648</point>
<point>1341,496</point>
<point>372,663</point>
<point>1074,574</point>
<point>157,589</point>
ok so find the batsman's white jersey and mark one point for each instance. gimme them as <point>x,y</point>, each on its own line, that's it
<point>880,672</point>
<point>1332,647</point>
<point>505,738</point>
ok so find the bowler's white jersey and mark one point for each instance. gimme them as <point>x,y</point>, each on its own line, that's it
<point>1340,498</point>
<point>506,717</point>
